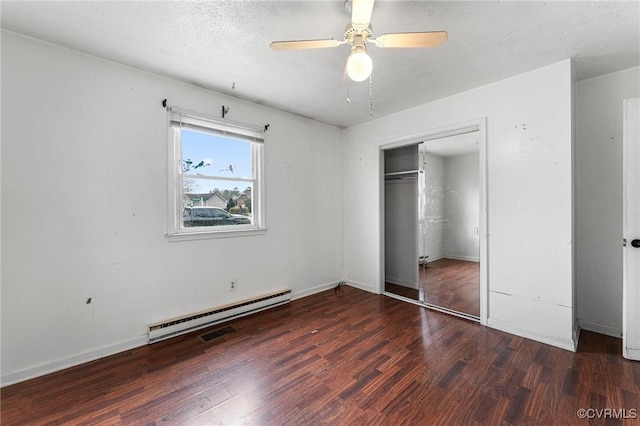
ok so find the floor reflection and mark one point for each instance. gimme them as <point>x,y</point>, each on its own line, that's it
<point>448,283</point>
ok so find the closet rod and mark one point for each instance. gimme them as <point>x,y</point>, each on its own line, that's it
<point>400,177</point>
<point>404,173</point>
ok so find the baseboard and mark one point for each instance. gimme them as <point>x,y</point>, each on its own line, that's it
<point>556,341</point>
<point>361,286</point>
<point>393,280</point>
<point>632,354</point>
<point>72,361</point>
<point>576,337</point>
<point>313,290</point>
<point>465,258</point>
<point>600,328</point>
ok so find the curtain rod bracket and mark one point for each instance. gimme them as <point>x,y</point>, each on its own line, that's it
<point>225,110</point>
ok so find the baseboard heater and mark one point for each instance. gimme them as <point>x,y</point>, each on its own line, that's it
<point>185,324</point>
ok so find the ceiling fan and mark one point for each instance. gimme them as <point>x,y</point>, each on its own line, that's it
<point>358,32</point>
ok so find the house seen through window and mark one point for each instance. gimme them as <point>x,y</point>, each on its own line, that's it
<point>218,176</point>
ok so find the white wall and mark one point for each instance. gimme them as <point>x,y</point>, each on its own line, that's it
<point>529,161</point>
<point>84,204</point>
<point>462,207</point>
<point>599,198</point>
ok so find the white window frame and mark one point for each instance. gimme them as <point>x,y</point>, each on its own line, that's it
<point>178,120</point>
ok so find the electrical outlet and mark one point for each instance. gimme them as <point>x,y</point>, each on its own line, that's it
<point>233,285</point>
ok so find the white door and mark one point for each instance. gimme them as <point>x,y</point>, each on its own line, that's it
<point>631,231</point>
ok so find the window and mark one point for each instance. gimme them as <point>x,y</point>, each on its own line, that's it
<point>216,178</point>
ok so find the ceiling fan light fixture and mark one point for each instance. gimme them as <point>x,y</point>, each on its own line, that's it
<point>357,33</point>
<point>359,64</point>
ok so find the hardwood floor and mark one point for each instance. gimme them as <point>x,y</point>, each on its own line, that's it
<point>452,284</point>
<point>449,283</point>
<point>342,359</point>
<point>401,290</point>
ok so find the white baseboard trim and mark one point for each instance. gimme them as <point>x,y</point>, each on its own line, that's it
<point>600,328</point>
<point>361,286</point>
<point>394,280</point>
<point>72,361</point>
<point>576,337</point>
<point>556,341</point>
<point>633,354</point>
<point>313,290</point>
<point>465,258</point>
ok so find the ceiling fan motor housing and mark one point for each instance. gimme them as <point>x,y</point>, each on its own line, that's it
<point>351,34</point>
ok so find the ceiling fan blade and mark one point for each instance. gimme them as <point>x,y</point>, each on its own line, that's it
<point>361,13</point>
<point>428,39</point>
<point>304,44</point>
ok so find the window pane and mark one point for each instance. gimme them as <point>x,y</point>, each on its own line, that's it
<point>232,201</point>
<point>198,216</point>
<point>218,181</point>
<point>210,155</point>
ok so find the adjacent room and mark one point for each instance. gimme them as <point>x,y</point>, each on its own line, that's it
<point>320,212</point>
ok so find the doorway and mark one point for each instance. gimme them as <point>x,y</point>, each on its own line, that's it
<point>435,245</point>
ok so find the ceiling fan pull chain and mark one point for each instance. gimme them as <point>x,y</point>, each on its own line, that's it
<point>370,98</point>
<point>348,98</point>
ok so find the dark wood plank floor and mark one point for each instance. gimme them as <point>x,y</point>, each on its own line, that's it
<point>346,358</point>
<point>449,283</point>
<point>452,284</point>
<point>400,290</point>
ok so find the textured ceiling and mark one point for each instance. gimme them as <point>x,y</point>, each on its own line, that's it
<point>217,43</point>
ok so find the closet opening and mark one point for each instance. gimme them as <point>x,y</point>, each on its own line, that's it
<point>434,209</point>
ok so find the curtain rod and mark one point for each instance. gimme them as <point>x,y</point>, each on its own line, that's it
<point>225,111</point>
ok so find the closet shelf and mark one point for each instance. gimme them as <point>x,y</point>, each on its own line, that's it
<point>403,173</point>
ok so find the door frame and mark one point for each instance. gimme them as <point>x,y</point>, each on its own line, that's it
<point>630,173</point>
<point>479,125</point>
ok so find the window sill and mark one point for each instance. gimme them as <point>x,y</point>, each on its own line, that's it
<point>207,234</point>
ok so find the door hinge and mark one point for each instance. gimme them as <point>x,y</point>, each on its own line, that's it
<point>624,242</point>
